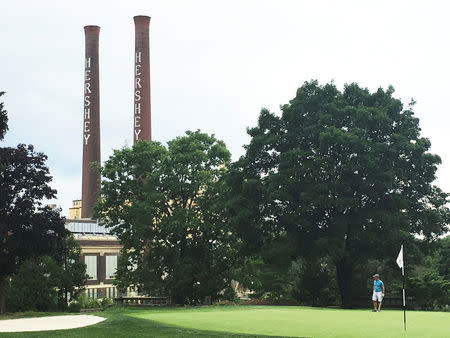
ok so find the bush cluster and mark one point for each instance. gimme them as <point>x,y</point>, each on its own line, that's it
<point>83,302</point>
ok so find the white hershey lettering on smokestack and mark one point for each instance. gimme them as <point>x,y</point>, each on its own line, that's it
<point>142,105</point>
<point>91,123</point>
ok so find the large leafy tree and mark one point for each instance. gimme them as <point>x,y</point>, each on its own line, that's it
<point>27,228</point>
<point>344,175</point>
<point>165,206</point>
<point>69,272</point>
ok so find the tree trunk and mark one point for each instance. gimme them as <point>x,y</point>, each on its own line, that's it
<point>62,299</point>
<point>3,282</point>
<point>344,269</point>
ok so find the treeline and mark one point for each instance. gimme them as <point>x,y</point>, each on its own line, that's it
<point>323,198</point>
<point>314,283</point>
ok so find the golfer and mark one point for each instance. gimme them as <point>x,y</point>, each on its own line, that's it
<point>378,292</point>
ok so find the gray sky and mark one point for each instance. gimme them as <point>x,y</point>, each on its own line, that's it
<point>214,65</point>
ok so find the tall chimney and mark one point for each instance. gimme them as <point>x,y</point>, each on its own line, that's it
<point>142,109</point>
<point>91,123</point>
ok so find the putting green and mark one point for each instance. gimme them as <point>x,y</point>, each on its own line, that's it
<point>304,321</point>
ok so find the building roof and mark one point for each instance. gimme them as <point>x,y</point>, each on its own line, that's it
<point>86,227</point>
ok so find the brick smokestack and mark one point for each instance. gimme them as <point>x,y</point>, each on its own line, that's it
<point>91,123</point>
<point>142,108</point>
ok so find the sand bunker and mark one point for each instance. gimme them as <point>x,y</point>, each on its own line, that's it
<point>48,323</point>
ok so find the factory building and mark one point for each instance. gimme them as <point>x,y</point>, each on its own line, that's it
<point>100,249</point>
<point>100,253</point>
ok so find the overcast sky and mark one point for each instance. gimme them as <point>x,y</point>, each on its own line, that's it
<point>214,65</point>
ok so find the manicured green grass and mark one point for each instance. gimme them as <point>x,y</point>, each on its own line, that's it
<point>120,323</point>
<point>257,321</point>
<point>306,322</point>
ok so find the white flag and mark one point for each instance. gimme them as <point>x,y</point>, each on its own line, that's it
<point>400,258</point>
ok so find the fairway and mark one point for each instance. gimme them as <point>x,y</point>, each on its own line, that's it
<point>304,321</point>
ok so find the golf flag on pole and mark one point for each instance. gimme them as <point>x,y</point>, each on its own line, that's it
<point>401,265</point>
<point>400,260</point>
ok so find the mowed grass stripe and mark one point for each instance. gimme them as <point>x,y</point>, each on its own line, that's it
<point>304,321</point>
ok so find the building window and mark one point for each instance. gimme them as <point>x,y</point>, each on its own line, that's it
<point>91,266</point>
<point>111,266</point>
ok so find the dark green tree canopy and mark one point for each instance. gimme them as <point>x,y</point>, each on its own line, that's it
<point>344,174</point>
<point>27,228</point>
<point>44,283</point>
<point>3,119</point>
<point>164,204</point>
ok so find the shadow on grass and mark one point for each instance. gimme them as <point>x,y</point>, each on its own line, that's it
<point>30,314</point>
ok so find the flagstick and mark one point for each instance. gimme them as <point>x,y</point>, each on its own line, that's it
<point>404,298</point>
<point>401,264</point>
<point>404,304</point>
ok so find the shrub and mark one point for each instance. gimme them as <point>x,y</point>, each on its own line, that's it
<point>89,303</point>
<point>225,303</point>
<point>83,300</point>
<point>429,290</point>
<point>44,283</point>
<point>94,303</point>
<point>32,288</point>
<point>106,302</point>
<point>74,307</point>
<point>230,294</point>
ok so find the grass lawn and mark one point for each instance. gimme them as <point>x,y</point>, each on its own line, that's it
<point>257,321</point>
<point>306,322</point>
